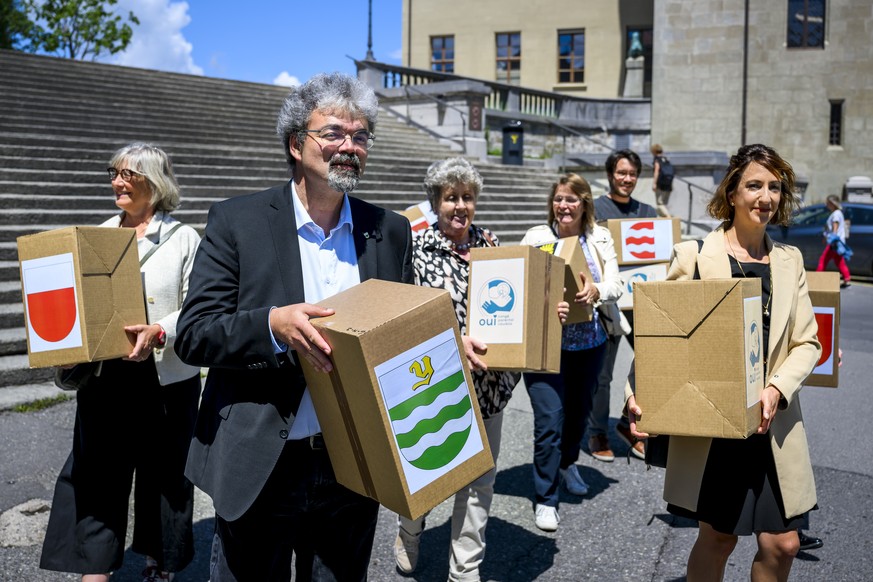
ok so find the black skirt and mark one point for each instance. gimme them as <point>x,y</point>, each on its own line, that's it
<point>740,494</point>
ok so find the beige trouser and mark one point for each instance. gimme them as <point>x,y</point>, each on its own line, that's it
<point>470,515</point>
<point>662,197</point>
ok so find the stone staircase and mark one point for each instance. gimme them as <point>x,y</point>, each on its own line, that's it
<point>61,120</point>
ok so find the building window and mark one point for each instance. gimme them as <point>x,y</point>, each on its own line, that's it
<point>645,36</point>
<point>509,57</point>
<point>571,56</point>
<point>806,23</point>
<point>835,137</point>
<point>442,54</point>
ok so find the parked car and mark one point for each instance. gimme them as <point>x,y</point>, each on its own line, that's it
<point>807,226</point>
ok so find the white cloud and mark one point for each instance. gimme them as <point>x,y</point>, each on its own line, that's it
<point>396,55</point>
<point>286,80</point>
<point>158,41</point>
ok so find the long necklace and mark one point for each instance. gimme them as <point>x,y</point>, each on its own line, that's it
<point>743,271</point>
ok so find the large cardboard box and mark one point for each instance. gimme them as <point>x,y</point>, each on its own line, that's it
<point>641,274</point>
<point>699,357</point>
<point>399,412</point>
<point>824,292</point>
<point>640,241</point>
<point>512,305</point>
<point>80,285</point>
<point>575,262</point>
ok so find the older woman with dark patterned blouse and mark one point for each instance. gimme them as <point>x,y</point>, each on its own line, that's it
<point>441,259</point>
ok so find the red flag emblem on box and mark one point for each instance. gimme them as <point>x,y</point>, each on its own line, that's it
<point>646,240</point>
<point>824,317</point>
<point>51,301</point>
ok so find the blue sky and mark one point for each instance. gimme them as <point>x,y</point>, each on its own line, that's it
<point>263,41</point>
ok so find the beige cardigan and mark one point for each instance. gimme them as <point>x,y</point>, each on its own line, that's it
<point>165,283</point>
<point>793,352</point>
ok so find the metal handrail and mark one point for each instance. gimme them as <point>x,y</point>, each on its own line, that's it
<point>444,103</point>
<point>565,130</point>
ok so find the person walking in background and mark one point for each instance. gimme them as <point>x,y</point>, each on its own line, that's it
<point>835,235</point>
<point>137,416</point>
<point>562,402</point>
<point>662,179</point>
<point>441,259</point>
<point>762,485</point>
<point>265,260</point>
<point>622,172</point>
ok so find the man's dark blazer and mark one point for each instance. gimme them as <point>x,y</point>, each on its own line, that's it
<point>249,261</point>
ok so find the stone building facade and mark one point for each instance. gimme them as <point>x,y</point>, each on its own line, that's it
<point>807,86</point>
<point>575,47</point>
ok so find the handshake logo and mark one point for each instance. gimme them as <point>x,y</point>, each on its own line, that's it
<point>496,296</point>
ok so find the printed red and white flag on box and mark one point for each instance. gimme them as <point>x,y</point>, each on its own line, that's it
<point>646,240</point>
<point>53,321</point>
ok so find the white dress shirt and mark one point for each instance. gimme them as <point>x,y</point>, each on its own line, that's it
<point>330,265</point>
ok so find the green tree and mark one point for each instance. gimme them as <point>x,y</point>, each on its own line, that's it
<point>13,24</point>
<point>78,29</point>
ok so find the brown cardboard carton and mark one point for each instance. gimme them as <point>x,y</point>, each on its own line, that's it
<point>824,292</point>
<point>512,305</point>
<point>399,412</point>
<point>699,357</point>
<point>80,285</point>
<point>640,241</point>
<point>419,216</point>
<point>574,263</point>
<point>640,274</point>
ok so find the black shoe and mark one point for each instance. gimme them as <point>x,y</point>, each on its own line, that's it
<point>809,542</point>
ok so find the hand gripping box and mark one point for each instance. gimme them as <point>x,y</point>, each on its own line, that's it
<point>642,241</point>
<point>399,412</point>
<point>699,357</point>
<point>80,285</point>
<point>824,292</point>
<point>575,262</point>
<point>512,305</point>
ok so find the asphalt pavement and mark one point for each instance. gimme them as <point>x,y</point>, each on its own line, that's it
<point>620,531</point>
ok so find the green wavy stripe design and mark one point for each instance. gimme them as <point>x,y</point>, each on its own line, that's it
<point>430,425</point>
<point>447,384</point>
<point>440,455</point>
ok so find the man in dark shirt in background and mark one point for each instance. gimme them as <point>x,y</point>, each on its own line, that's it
<point>622,171</point>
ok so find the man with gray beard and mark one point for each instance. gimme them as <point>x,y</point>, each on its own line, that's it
<point>265,260</point>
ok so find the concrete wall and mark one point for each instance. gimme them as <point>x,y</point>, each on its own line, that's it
<point>474,25</point>
<point>697,92</point>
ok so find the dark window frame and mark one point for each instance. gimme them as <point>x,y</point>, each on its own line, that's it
<point>442,53</point>
<point>571,73</point>
<point>504,75</point>
<point>807,20</point>
<point>835,127</point>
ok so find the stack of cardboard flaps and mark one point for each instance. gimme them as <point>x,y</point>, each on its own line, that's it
<point>575,264</point>
<point>824,292</point>
<point>512,305</point>
<point>644,247</point>
<point>699,357</point>
<point>399,412</point>
<point>80,286</point>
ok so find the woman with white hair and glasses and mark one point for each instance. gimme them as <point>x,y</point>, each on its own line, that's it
<point>138,413</point>
<point>441,259</point>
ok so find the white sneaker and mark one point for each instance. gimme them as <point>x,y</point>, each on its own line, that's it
<point>547,517</point>
<point>406,551</point>
<point>573,481</point>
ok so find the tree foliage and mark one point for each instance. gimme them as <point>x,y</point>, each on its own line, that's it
<point>78,29</point>
<point>13,24</point>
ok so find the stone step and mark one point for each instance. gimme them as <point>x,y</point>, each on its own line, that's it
<point>15,371</point>
<point>11,314</point>
<point>12,341</point>
<point>10,291</point>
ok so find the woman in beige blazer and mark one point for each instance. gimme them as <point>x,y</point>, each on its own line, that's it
<point>764,484</point>
<point>138,415</point>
